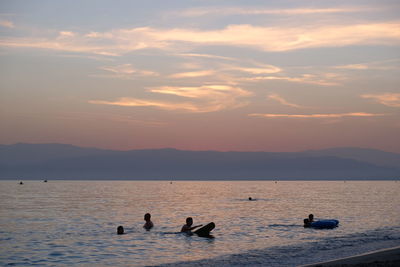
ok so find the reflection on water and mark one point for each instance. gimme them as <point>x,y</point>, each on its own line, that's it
<point>74,222</point>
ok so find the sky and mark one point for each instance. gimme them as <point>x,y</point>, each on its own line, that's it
<point>201,75</point>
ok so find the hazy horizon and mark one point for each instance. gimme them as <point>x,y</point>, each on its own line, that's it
<point>200,150</point>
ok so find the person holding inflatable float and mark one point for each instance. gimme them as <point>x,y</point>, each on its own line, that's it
<point>320,224</point>
<point>187,228</point>
<point>203,231</point>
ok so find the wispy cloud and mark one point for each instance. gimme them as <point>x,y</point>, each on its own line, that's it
<point>260,69</point>
<point>204,56</point>
<point>283,101</point>
<point>121,41</point>
<point>374,65</point>
<point>66,34</point>
<point>353,67</point>
<point>327,79</point>
<point>387,99</point>
<point>196,12</point>
<point>288,38</point>
<point>315,116</point>
<point>135,102</point>
<point>7,24</point>
<point>206,98</point>
<point>192,74</point>
<point>127,71</point>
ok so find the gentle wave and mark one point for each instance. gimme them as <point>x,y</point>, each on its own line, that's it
<point>307,252</point>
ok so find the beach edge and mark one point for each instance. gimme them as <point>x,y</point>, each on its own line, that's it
<point>383,257</point>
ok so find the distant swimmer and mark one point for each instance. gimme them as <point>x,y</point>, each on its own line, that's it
<point>250,199</point>
<point>307,223</point>
<point>21,183</point>
<point>149,224</point>
<point>311,218</point>
<point>187,228</point>
<point>45,181</point>
<point>120,230</point>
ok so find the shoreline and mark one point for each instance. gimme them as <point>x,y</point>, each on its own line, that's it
<point>383,257</point>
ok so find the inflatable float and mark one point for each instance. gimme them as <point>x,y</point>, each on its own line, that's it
<point>324,224</point>
<point>205,230</point>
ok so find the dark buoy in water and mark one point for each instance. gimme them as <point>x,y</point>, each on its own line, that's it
<point>45,181</point>
<point>250,199</point>
<point>120,230</point>
<point>21,183</point>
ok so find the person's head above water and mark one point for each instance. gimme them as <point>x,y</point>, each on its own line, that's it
<point>189,221</point>
<point>149,224</point>
<point>120,230</point>
<point>306,223</point>
<point>311,217</point>
<point>147,217</point>
<point>250,198</point>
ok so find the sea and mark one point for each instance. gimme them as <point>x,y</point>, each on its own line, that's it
<point>74,223</point>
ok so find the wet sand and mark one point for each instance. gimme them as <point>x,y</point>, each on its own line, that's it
<point>382,258</point>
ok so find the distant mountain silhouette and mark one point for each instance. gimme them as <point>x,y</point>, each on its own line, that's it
<point>59,161</point>
<point>373,156</point>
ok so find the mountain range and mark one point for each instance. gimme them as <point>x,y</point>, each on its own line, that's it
<point>61,161</point>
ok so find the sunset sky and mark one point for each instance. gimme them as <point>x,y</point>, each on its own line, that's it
<point>201,75</point>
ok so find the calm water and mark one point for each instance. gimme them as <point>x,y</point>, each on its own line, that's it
<point>74,222</point>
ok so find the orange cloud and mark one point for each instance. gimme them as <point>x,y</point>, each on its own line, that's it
<point>353,67</point>
<point>284,38</point>
<point>327,79</point>
<point>387,99</point>
<point>135,102</point>
<point>316,116</point>
<point>207,98</point>
<point>6,24</point>
<point>192,74</point>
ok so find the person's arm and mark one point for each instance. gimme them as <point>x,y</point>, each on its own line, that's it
<point>194,227</point>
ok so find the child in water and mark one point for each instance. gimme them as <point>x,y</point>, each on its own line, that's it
<point>149,224</point>
<point>187,228</point>
<point>120,230</point>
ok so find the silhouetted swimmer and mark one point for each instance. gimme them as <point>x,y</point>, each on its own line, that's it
<point>120,230</point>
<point>311,218</point>
<point>250,199</point>
<point>149,224</point>
<point>45,181</point>
<point>187,228</point>
<point>21,183</point>
<point>307,223</point>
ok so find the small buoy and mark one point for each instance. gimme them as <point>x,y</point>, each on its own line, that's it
<point>21,183</point>
<point>250,199</point>
<point>45,181</point>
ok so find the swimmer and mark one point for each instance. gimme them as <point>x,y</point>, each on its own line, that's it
<point>149,224</point>
<point>250,199</point>
<point>307,223</point>
<point>311,218</point>
<point>120,230</point>
<point>187,228</point>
